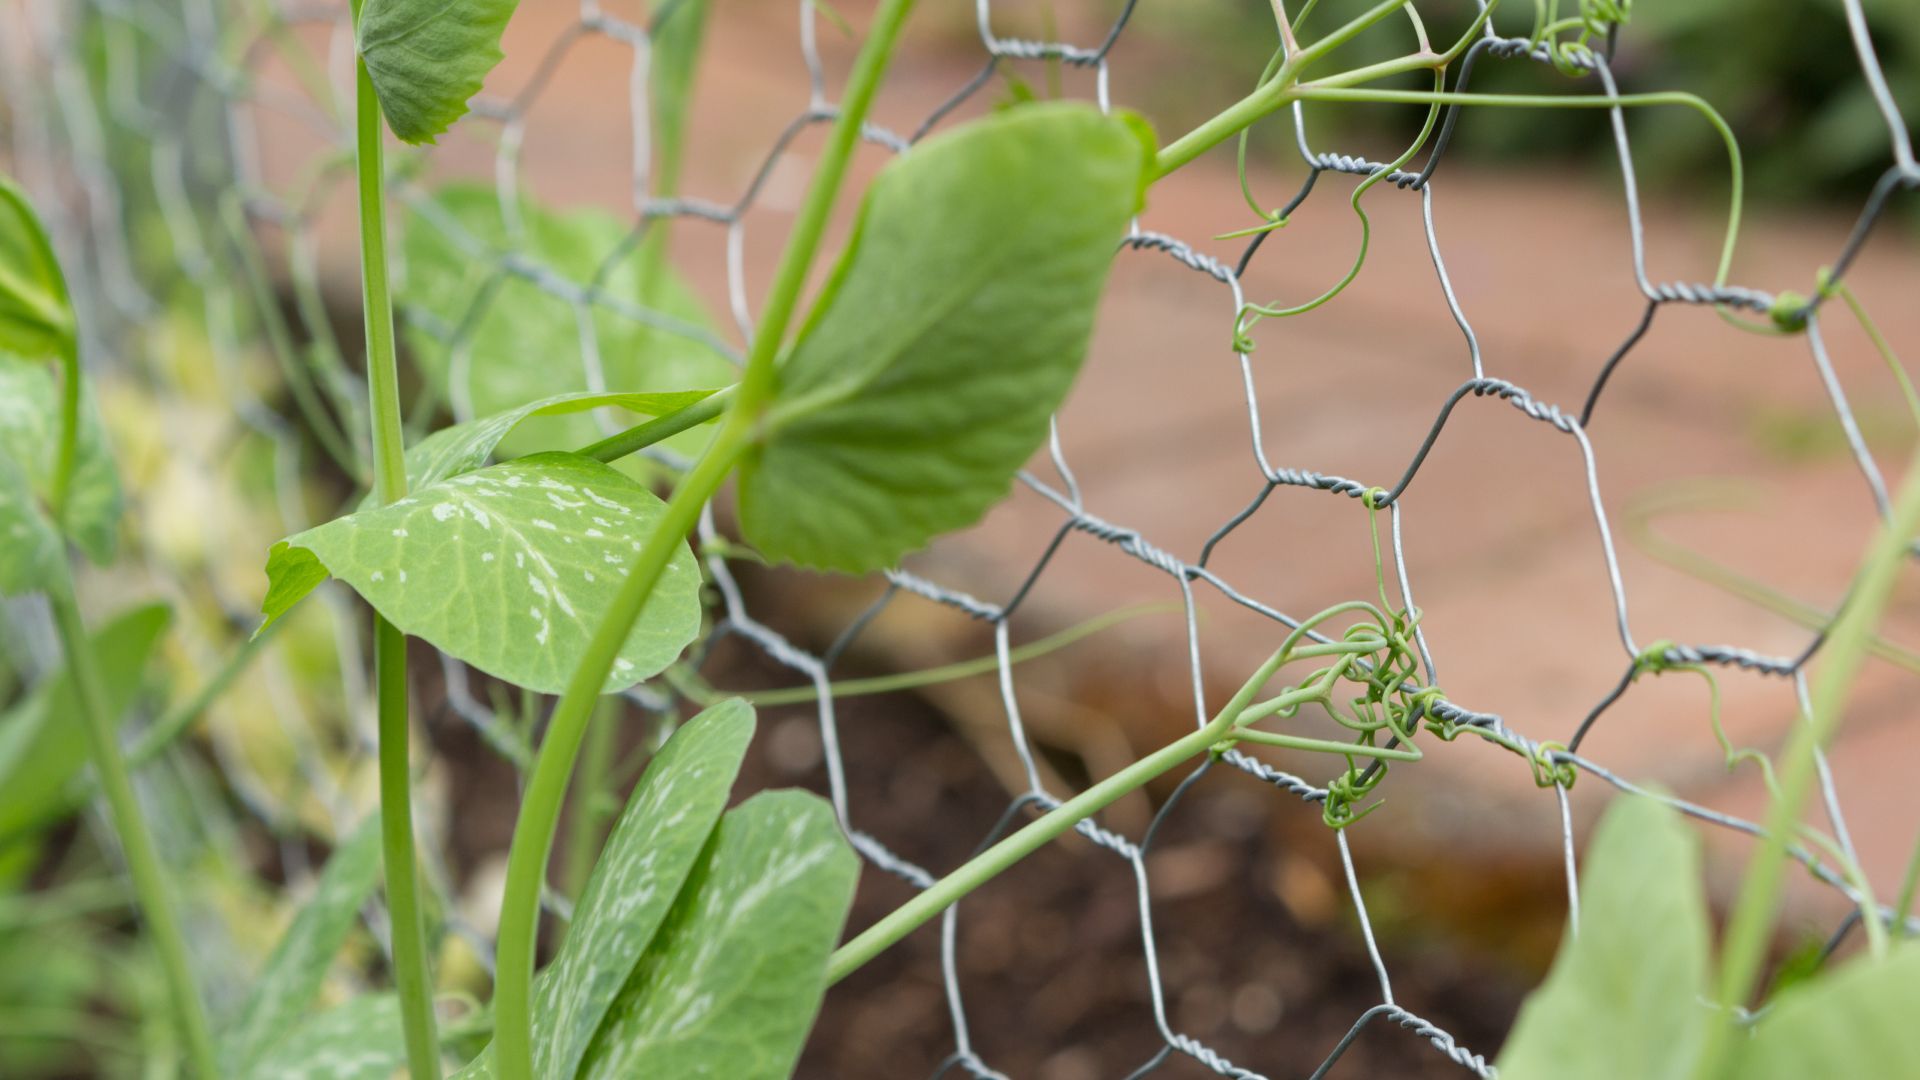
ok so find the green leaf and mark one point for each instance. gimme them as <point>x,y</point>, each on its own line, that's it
<point>359,1040</point>
<point>651,852</point>
<point>465,447</point>
<point>288,984</point>
<point>36,318</point>
<point>1626,995</point>
<point>30,438</point>
<point>510,320</point>
<point>428,57</point>
<point>509,568</point>
<point>43,746</point>
<point>1857,1021</point>
<point>731,984</point>
<point>951,330</point>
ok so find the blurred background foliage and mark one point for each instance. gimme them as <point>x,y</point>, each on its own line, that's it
<point>1783,73</point>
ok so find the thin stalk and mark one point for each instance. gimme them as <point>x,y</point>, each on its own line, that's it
<point>1275,93</point>
<point>130,823</point>
<point>1750,927</point>
<point>641,436</point>
<point>1326,746</point>
<point>411,975</point>
<point>1266,98</point>
<point>546,789</point>
<point>985,866</point>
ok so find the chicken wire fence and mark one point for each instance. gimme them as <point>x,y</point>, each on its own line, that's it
<point>181,82</point>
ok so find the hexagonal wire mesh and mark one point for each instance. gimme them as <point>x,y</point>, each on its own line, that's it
<point>201,148</point>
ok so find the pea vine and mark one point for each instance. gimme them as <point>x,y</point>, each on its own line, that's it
<point>895,408</point>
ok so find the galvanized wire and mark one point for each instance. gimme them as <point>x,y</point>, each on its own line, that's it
<point>172,63</point>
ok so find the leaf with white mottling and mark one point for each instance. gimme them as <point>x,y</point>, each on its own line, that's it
<point>360,1040</point>
<point>465,447</point>
<point>646,859</point>
<point>509,568</point>
<point>731,983</point>
<point>30,437</point>
<point>292,976</point>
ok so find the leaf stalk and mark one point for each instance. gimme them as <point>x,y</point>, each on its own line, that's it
<point>409,945</point>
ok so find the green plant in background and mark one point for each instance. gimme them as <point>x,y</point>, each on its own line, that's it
<point>57,485</point>
<point>896,408</point>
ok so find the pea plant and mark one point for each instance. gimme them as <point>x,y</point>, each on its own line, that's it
<point>893,405</point>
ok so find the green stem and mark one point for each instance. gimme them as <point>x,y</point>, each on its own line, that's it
<point>1750,927</point>
<point>411,975</point>
<point>130,822</point>
<point>983,867</point>
<point>1326,746</point>
<point>546,789</point>
<point>1274,93</point>
<point>641,436</point>
<point>1266,98</point>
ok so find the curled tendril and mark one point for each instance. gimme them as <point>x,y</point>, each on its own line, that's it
<point>1549,771</point>
<point>1596,19</point>
<point>1345,790</point>
<point>1653,660</point>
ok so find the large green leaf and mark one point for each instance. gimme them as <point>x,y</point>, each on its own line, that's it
<point>524,343</point>
<point>649,855</point>
<point>428,57</point>
<point>730,985</point>
<point>288,984</point>
<point>1626,995</point>
<point>361,1039</point>
<point>30,438</point>
<point>949,333</point>
<point>465,447</point>
<point>509,568</point>
<point>43,745</point>
<point>36,318</point>
<point>1862,1020</point>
